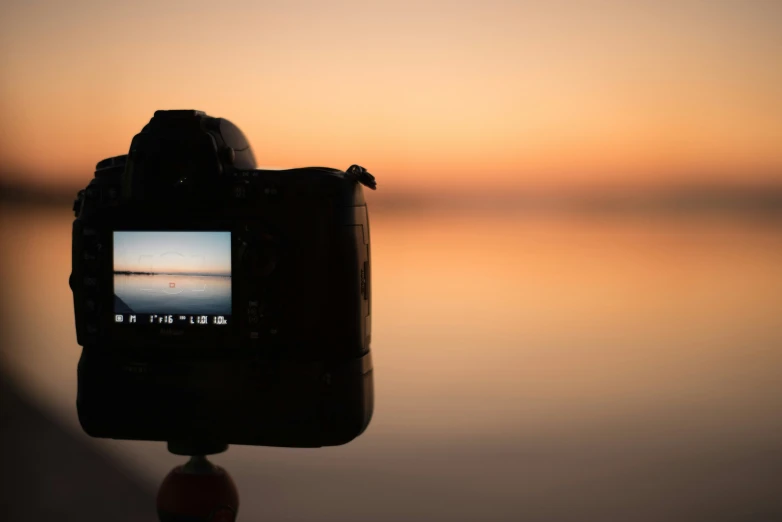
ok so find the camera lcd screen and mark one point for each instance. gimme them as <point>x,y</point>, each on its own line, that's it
<point>181,278</point>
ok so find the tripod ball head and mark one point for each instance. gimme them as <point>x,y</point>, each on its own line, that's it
<point>198,491</point>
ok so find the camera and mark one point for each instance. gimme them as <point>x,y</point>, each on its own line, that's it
<point>217,303</point>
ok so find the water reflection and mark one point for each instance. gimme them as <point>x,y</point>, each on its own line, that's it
<point>173,294</point>
<point>527,368</point>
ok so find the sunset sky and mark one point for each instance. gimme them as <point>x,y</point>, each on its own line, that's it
<point>511,95</point>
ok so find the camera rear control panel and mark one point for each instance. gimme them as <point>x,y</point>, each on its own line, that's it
<point>92,257</point>
<point>256,261</point>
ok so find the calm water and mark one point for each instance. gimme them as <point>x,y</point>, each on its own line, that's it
<point>536,368</point>
<point>174,294</point>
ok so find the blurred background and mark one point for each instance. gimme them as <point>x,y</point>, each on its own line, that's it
<point>577,247</point>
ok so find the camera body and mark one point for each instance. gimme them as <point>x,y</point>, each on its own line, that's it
<point>220,304</point>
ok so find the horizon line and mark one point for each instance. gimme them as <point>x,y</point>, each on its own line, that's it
<point>709,197</point>
<point>133,272</point>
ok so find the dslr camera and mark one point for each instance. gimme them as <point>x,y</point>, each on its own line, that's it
<point>217,303</point>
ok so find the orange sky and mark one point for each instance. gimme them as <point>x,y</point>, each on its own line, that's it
<point>511,94</point>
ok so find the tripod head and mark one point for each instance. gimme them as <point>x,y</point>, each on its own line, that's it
<point>197,491</point>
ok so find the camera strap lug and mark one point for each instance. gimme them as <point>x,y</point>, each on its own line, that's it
<point>360,174</point>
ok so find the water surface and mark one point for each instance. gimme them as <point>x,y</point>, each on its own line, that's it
<point>174,293</point>
<point>527,367</point>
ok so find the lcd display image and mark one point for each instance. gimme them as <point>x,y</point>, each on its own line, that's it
<point>172,277</point>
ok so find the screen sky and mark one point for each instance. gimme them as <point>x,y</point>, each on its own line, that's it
<point>203,253</point>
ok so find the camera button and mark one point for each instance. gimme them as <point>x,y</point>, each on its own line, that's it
<point>240,191</point>
<point>253,312</point>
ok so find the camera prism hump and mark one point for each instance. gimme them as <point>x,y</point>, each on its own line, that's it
<point>217,303</point>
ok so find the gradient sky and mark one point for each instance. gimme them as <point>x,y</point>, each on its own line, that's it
<point>423,94</point>
<point>173,252</point>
